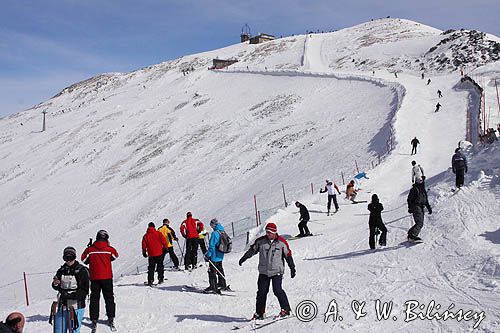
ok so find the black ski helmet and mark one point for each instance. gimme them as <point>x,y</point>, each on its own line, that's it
<point>102,235</point>
<point>69,253</point>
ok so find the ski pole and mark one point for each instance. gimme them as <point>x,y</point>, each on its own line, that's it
<point>210,261</point>
<point>182,252</point>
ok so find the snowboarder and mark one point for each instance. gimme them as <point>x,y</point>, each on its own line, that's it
<point>303,219</point>
<point>273,252</point>
<point>189,231</point>
<point>416,201</point>
<point>459,167</point>
<point>358,177</point>
<point>99,257</point>
<point>439,93</point>
<point>154,247</point>
<point>417,172</point>
<point>428,81</point>
<point>350,191</point>
<point>214,256</point>
<point>375,222</point>
<point>329,187</point>
<point>14,323</point>
<point>438,106</point>
<point>414,143</point>
<point>72,283</point>
<point>170,236</point>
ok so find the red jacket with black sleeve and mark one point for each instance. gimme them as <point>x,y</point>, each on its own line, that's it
<point>153,243</point>
<point>99,257</point>
<point>189,228</point>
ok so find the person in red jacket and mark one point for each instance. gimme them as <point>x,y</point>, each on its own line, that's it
<point>154,245</point>
<point>99,257</point>
<point>189,230</point>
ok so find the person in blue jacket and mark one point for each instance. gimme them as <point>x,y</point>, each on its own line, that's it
<point>216,276</point>
<point>358,177</point>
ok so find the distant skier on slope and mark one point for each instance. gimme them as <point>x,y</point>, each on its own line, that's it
<point>439,93</point>
<point>154,247</point>
<point>428,81</point>
<point>303,219</point>
<point>273,252</point>
<point>330,187</point>
<point>416,201</point>
<point>358,177</point>
<point>375,222</point>
<point>438,106</point>
<point>459,167</point>
<point>414,143</point>
<point>417,172</point>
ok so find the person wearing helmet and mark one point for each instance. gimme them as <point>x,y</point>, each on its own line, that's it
<point>72,283</point>
<point>98,257</point>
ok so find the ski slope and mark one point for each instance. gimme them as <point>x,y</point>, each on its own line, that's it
<point>154,143</point>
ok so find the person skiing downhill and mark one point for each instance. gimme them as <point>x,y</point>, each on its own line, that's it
<point>417,172</point>
<point>189,230</point>
<point>438,106</point>
<point>170,237</point>
<point>72,283</point>
<point>273,252</point>
<point>330,187</point>
<point>358,177</point>
<point>154,247</point>
<point>214,256</point>
<point>440,94</point>
<point>375,222</point>
<point>99,257</point>
<point>303,219</point>
<point>416,201</point>
<point>459,167</point>
<point>414,143</point>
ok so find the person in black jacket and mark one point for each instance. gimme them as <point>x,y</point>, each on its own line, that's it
<point>414,142</point>
<point>416,202</point>
<point>459,167</point>
<point>72,283</point>
<point>303,219</point>
<point>375,222</point>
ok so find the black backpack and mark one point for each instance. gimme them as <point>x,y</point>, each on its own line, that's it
<point>225,243</point>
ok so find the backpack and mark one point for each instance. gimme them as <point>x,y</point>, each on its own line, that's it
<point>225,243</point>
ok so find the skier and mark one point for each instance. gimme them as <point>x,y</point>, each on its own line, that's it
<point>375,222</point>
<point>201,237</point>
<point>350,191</point>
<point>428,81</point>
<point>423,76</point>
<point>396,75</point>
<point>358,177</point>
<point>459,167</point>
<point>215,257</point>
<point>98,257</point>
<point>329,187</point>
<point>273,252</point>
<point>154,247</point>
<point>417,172</point>
<point>414,143</point>
<point>189,231</point>
<point>14,323</point>
<point>438,106</point>
<point>303,219</point>
<point>416,202</point>
<point>170,237</point>
<point>439,93</point>
<point>72,283</point>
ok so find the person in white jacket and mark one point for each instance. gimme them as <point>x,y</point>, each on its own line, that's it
<point>417,172</point>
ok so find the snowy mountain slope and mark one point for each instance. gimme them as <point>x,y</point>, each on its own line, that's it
<point>189,139</point>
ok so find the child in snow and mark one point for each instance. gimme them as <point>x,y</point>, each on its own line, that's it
<point>375,222</point>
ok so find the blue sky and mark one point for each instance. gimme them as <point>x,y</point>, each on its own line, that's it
<point>46,45</point>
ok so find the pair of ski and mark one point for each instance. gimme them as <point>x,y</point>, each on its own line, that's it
<point>300,237</point>
<point>198,290</point>
<point>258,324</point>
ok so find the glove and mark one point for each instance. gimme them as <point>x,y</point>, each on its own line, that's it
<point>144,254</point>
<point>206,258</point>
<point>164,250</point>
<point>410,211</point>
<point>465,170</point>
<point>176,239</point>
<point>63,296</point>
<point>242,260</point>
<point>292,272</point>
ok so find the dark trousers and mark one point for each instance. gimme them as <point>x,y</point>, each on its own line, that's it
<point>191,252</point>
<point>414,150</point>
<point>334,198</point>
<point>155,264</point>
<point>215,278</point>
<point>263,288</point>
<point>109,298</point>
<point>418,217</point>
<point>459,180</point>
<point>377,224</point>
<point>303,229</point>
<point>203,247</point>
<point>173,257</point>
